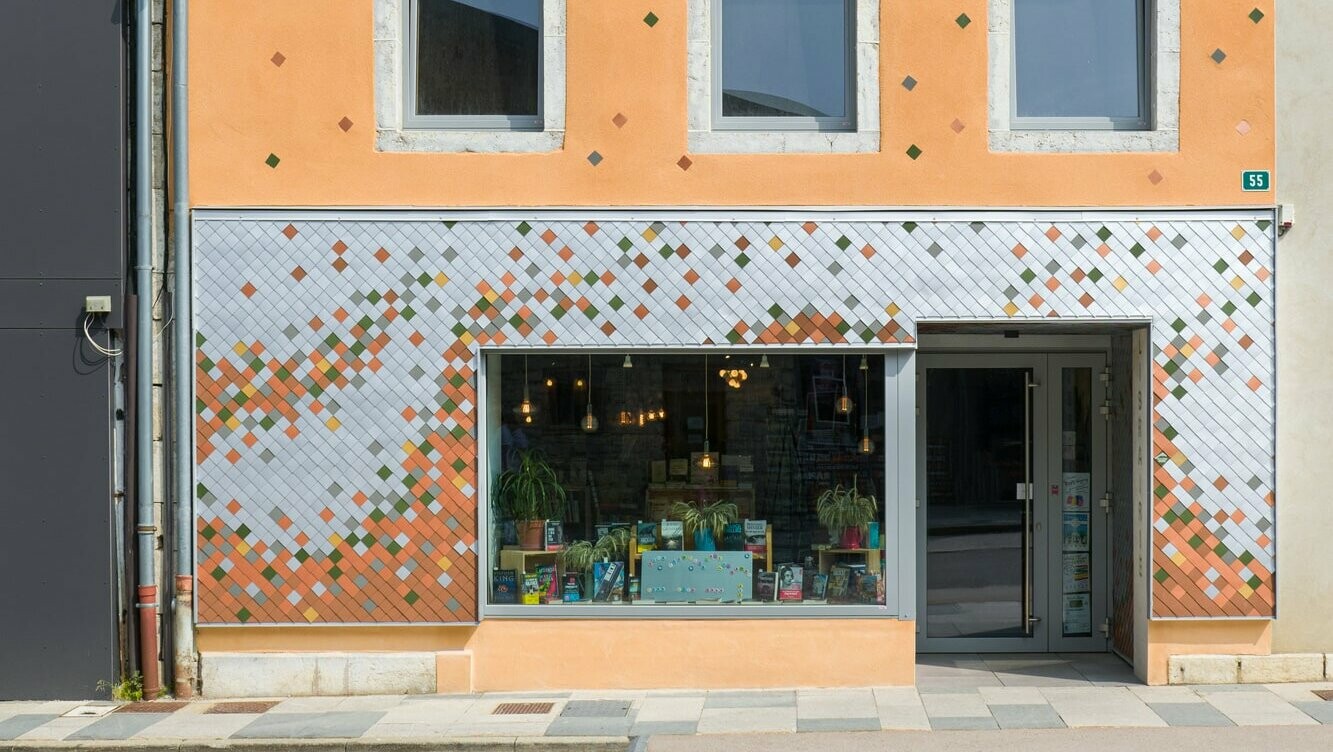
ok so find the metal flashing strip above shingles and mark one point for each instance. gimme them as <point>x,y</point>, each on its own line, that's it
<point>336,381</point>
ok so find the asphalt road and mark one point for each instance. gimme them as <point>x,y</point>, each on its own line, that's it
<point>1178,739</point>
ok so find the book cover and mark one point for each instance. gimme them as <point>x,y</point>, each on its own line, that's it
<point>765,586</point>
<point>634,588</point>
<point>572,590</point>
<point>504,586</point>
<point>819,587</point>
<point>609,579</point>
<point>733,537</point>
<point>839,578</point>
<point>867,588</point>
<point>532,589</point>
<point>673,535</point>
<point>790,582</point>
<point>555,535</point>
<point>547,583</point>
<point>646,536</point>
<point>756,536</point>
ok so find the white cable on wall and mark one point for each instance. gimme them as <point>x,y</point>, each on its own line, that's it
<point>87,317</point>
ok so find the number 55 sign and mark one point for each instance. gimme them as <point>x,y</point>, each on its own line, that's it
<point>1255,180</point>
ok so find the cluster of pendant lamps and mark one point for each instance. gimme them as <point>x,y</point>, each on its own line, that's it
<point>734,378</point>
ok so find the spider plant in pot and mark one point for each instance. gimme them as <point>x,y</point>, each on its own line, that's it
<point>580,556</point>
<point>845,513</point>
<point>529,494</point>
<point>705,521</point>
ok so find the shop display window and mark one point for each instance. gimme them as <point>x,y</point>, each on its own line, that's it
<point>732,478</point>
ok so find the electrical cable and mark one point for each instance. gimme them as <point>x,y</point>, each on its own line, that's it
<point>87,317</point>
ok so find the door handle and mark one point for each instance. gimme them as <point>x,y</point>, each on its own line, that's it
<point>1028,619</point>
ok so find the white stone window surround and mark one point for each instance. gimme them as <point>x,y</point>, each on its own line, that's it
<point>1163,82</point>
<point>390,49</point>
<point>699,93</point>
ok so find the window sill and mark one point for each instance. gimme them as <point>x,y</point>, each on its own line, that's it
<point>783,142</point>
<point>685,611</point>
<point>1090,141</point>
<point>469,141</point>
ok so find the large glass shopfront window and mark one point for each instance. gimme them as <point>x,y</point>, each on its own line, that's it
<point>738,478</point>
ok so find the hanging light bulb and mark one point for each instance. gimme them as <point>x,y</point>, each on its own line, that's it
<point>550,383</point>
<point>629,362</point>
<point>525,409</point>
<point>590,423</point>
<point>866,445</point>
<point>844,405</point>
<point>706,458</point>
<point>763,362</point>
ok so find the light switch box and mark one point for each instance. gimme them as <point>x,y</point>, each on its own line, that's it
<point>97,304</point>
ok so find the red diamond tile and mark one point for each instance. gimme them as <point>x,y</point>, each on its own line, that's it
<point>339,247</point>
<point>683,302</point>
<point>278,59</point>
<point>619,120</point>
<point>868,251</point>
<point>591,228</point>
<point>733,285</point>
<point>565,253</point>
<point>548,236</point>
<point>1155,177</point>
<point>289,231</point>
<point>691,276</point>
<point>641,311</point>
<point>809,228</point>
<point>248,289</point>
<point>1053,234</point>
<point>793,259</point>
<point>1020,251</point>
<point>339,264</point>
<point>345,124</point>
<point>1085,299</point>
<point>298,274</point>
<point>382,255</point>
<point>957,125</point>
<point>515,253</point>
<point>684,163</point>
<point>742,242</point>
<point>649,286</point>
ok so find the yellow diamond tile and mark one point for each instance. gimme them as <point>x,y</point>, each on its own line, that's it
<point>441,279</point>
<point>1179,458</point>
<point>574,278</point>
<point>650,234</point>
<point>333,423</point>
<point>249,390</point>
<point>892,309</point>
<point>1010,308</point>
<point>775,243</point>
<point>242,548</point>
<point>466,338</point>
<point>492,296</point>
<point>239,348</point>
<point>1187,350</point>
<point>1245,591</point>
<point>1237,232</point>
<point>233,423</point>
<point>792,327</point>
<point>335,540</point>
<point>459,482</point>
<point>1120,284</point>
<point>444,563</point>
<point>310,614</point>
<point>1237,283</point>
<point>408,446</point>
<point>1178,558</point>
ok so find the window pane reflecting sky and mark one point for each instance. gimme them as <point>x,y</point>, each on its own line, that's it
<point>1077,58</point>
<point>784,57</point>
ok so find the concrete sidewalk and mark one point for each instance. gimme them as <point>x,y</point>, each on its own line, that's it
<point>946,698</point>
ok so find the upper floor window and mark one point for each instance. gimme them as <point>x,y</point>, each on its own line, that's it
<point>1081,64</point>
<point>473,64</point>
<point>784,64</point>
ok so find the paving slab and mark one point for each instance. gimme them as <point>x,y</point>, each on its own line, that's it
<point>747,720</point>
<point>955,706</point>
<point>596,709</point>
<point>309,725</point>
<point>806,725</point>
<point>857,703</point>
<point>1100,706</point>
<point>663,728</point>
<point>1261,708</point>
<point>671,709</point>
<point>962,723</point>
<point>1157,695</point>
<point>1011,696</point>
<point>1039,716</point>
<point>1190,714</point>
<point>1320,710</point>
<point>116,726</point>
<point>17,725</point>
<point>590,726</point>
<point>903,717</point>
<point>56,729</point>
<point>762,699</point>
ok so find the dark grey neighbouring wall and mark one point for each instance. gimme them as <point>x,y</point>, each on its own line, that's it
<point>62,237</point>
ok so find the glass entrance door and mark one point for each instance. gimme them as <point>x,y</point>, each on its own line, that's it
<point>1009,530</point>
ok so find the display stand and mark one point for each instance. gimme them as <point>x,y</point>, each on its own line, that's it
<point>526,560</point>
<point>766,557</point>
<point>868,556</point>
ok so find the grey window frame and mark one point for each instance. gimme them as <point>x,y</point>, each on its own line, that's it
<point>1146,29</point>
<point>412,119</point>
<point>842,124</point>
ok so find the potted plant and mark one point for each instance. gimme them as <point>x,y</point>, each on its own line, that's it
<point>845,513</point>
<point>706,521</point>
<point>580,556</point>
<point>529,494</point>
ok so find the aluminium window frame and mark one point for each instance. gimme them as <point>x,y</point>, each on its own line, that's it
<point>500,123</point>
<point>843,124</point>
<point>1145,28</point>
<point>897,508</point>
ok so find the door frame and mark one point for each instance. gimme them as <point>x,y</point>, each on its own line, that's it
<point>1047,559</point>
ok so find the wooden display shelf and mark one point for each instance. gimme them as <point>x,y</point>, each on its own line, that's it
<point>521,559</point>
<point>869,556</point>
<point>766,557</point>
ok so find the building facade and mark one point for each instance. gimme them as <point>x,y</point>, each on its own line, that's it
<point>463,266</point>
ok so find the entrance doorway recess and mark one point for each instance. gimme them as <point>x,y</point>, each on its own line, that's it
<point>1012,543</point>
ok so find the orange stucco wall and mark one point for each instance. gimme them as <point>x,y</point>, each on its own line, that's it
<point>525,654</point>
<point>243,108</point>
<point>1203,637</point>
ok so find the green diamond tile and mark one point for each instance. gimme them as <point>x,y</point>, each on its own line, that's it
<point>650,19</point>
<point>411,597</point>
<point>1253,299</point>
<point>243,615</point>
<point>1161,576</point>
<point>962,20</point>
<point>301,555</point>
<point>1104,234</point>
<point>273,161</point>
<point>742,260</point>
<point>1228,308</point>
<point>1256,15</point>
<point>625,244</point>
<point>1028,275</point>
<point>1179,392</point>
<point>913,151</point>
<point>524,228</point>
<point>1220,266</point>
<point>842,242</point>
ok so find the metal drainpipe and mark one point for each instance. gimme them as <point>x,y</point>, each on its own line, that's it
<point>183,349</point>
<point>144,528</point>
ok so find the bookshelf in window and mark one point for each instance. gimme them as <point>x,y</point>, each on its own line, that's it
<point>763,562</point>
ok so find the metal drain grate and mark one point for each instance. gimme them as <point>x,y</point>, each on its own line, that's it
<point>241,707</point>
<point>158,706</point>
<point>523,708</point>
<point>1324,694</point>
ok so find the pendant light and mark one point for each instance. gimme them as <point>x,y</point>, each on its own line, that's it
<point>866,445</point>
<point>590,422</point>
<point>525,409</point>
<point>763,362</point>
<point>629,362</point>
<point>706,459</point>
<point>844,404</point>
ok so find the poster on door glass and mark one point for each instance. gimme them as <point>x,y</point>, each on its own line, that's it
<point>1075,531</point>
<point>1077,615</point>
<point>1078,492</point>
<point>1077,574</point>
